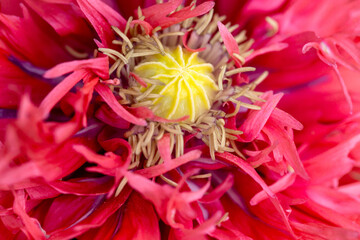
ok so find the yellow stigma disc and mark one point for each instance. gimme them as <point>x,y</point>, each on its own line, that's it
<point>188,87</point>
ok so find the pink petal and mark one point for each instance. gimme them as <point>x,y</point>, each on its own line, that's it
<point>27,38</point>
<point>230,43</point>
<point>157,15</point>
<point>110,99</point>
<point>62,17</point>
<point>332,164</point>
<point>60,91</point>
<point>184,41</point>
<point>325,231</point>
<point>324,53</point>
<point>109,161</point>
<point>220,190</point>
<point>257,119</point>
<point>99,66</point>
<point>138,79</point>
<point>31,224</point>
<point>143,112</point>
<point>247,168</point>
<point>83,187</point>
<point>106,115</point>
<point>98,21</point>
<point>174,163</point>
<point>97,218</point>
<point>286,147</point>
<point>163,146</point>
<point>163,9</point>
<point>112,16</point>
<point>276,187</point>
<point>146,26</point>
<point>203,229</point>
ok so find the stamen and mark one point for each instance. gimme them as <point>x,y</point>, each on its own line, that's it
<point>274,25</point>
<point>223,219</point>
<point>168,181</point>
<point>201,176</point>
<point>75,53</point>
<point>121,186</point>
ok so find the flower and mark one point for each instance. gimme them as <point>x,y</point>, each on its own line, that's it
<point>177,120</point>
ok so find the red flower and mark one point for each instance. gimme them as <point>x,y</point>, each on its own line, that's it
<point>146,120</point>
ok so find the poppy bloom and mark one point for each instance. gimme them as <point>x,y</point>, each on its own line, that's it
<point>179,119</point>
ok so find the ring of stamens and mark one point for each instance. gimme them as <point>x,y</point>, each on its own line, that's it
<point>209,126</point>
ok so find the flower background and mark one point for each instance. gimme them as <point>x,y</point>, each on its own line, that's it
<point>63,151</point>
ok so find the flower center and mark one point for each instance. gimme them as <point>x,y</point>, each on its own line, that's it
<point>188,87</point>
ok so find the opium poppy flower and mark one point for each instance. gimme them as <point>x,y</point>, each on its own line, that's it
<point>179,119</point>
